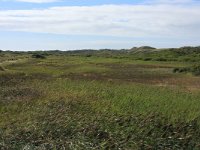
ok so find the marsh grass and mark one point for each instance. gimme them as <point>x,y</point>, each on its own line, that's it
<point>74,102</point>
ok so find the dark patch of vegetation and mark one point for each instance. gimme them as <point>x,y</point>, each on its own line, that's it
<point>147,59</point>
<point>12,79</point>
<point>160,59</point>
<point>1,68</point>
<point>38,56</point>
<point>19,94</point>
<point>89,55</point>
<point>195,70</point>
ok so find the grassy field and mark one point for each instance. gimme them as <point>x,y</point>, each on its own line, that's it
<point>97,102</point>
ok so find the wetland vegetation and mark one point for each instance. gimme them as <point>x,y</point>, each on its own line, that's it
<point>140,98</point>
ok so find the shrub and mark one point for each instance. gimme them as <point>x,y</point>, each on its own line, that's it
<point>195,70</point>
<point>161,59</point>
<point>175,70</point>
<point>88,55</point>
<point>38,56</point>
<point>1,68</point>
<point>147,59</point>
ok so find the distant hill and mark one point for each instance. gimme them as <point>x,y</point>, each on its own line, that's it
<point>147,53</point>
<point>143,48</point>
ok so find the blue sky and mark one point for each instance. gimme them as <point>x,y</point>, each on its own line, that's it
<point>6,4</point>
<point>96,24</point>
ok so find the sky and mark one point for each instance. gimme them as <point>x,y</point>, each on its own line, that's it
<point>98,24</point>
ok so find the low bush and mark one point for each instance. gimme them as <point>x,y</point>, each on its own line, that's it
<point>1,68</point>
<point>195,70</point>
<point>88,55</point>
<point>161,59</point>
<point>38,56</point>
<point>147,59</point>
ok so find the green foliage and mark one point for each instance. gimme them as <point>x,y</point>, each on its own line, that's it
<point>161,59</point>
<point>147,59</point>
<point>195,70</point>
<point>185,54</point>
<point>99,100</point>
<point>38,56</point>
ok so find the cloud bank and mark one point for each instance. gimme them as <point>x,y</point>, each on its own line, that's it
<point>162,20</point>
<point>170,1</point>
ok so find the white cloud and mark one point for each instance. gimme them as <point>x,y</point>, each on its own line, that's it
<point>170,1</point>
<point>112,20</point>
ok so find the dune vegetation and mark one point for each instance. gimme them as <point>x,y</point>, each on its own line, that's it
<point>106,99</point>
